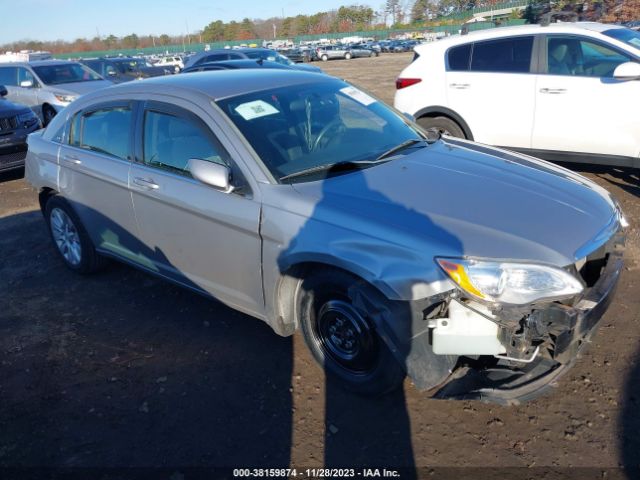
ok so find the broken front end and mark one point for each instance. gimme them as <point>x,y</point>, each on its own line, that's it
<point>499,337</point>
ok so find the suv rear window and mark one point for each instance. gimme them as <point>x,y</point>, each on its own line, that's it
<point>506,55</point>
<point>459,57</point>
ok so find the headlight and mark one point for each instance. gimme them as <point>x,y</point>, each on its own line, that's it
<point>510,283</point>
<point>65,98</point>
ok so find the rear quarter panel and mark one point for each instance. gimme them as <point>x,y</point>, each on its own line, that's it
<point>41,164</point>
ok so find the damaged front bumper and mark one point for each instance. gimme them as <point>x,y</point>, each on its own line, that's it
<point>570,328</point>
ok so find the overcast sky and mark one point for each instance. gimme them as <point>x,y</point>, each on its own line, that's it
<point>70,19</point>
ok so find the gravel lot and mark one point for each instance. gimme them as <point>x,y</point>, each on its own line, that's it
<point>122,370</point>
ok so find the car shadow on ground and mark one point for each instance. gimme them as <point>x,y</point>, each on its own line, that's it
<point>120,369</point>
<point>629,422</point>
<point>627,179</point>
<point>365,431</point>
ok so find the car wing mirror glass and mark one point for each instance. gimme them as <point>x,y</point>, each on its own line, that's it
<point>26,83</point>
<point>627,71</point>
<point>213,174</point>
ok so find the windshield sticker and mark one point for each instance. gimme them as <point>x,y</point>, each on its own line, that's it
<point>358,95</point>
<point>255,109</point>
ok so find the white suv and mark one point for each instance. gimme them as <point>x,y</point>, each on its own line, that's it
<point>566,91</point>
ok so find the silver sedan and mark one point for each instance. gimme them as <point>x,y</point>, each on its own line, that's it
<point>305,202</point>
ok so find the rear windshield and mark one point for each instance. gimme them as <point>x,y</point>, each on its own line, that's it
<point>65,73</point>
<point>628,36</point>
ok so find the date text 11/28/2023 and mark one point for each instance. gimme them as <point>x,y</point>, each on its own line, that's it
<point>315,473</point>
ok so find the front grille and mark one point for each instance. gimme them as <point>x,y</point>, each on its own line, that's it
<point>12,160</point>
<point>8,123</point>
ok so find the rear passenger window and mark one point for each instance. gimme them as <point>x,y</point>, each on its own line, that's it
<point>459,58</point>
<point>508,55</point>
<point>103,131</point>
<point>171,140</point>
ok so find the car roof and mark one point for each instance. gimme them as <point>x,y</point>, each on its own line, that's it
<point>220,83</point>
<point>486,34</point>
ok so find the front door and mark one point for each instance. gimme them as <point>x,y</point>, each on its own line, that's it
<point>580,107</point>
<point>201,237</point>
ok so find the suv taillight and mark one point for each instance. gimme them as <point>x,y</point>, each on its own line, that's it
<point>406,82</point>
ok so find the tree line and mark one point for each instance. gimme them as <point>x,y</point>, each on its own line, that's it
<point>353,18</point>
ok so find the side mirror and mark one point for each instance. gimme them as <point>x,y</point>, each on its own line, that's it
<point>627,71</point>
<point>3,91</point>
<point>26,84</point>
<point>213,174</point>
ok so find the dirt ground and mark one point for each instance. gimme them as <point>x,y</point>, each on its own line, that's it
<point>123,370</point>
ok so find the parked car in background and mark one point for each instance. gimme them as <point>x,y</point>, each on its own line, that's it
<point>566,91</point>
<point>16,122</point>
<point>125,69</point>
<point>269,55</point>
<point>360,51</point>
<point>48,86</point>
<point>235,64</point>
<point>303,201</point>
<point>296,55</point>
<point>174,62</point>
<point>332,52</point>
<point>213,55</point>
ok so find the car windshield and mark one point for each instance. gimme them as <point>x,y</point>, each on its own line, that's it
<point>626,35</point>
<point>65,73</point>
<point>305,128</point>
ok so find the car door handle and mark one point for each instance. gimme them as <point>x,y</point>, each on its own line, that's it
<point>460,86</point>
<point>72,159</point>
<point>144,183</point>
<point>553,91</point>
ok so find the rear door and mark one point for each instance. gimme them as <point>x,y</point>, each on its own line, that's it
<point>490,85</point>
<point>201,237</point>
<point>580,106</point>
<point>94,173</point>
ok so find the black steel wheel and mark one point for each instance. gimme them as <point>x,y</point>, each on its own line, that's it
<point>342,337</point>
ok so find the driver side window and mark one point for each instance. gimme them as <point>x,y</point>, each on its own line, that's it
<point>170,140</point>
<point>582,58</point>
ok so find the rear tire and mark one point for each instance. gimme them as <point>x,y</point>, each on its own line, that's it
<point>347,56</point>
<point>324,58</point>
<point>70,239</point>
<point>442,125</point>
<point>342,338</point>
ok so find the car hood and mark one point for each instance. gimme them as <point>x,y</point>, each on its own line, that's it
<point>456,198</point>
<point>80,88</point>
<point>10,109</point>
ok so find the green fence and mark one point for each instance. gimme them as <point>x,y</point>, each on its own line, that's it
<point>376,34</point>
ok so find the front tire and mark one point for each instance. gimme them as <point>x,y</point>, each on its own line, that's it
<point>442,126</point>
<point>324,58</point>
<point>70,238</point>
<point>347,56</point>
<point>342,337</point>
<point>47,114</point>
